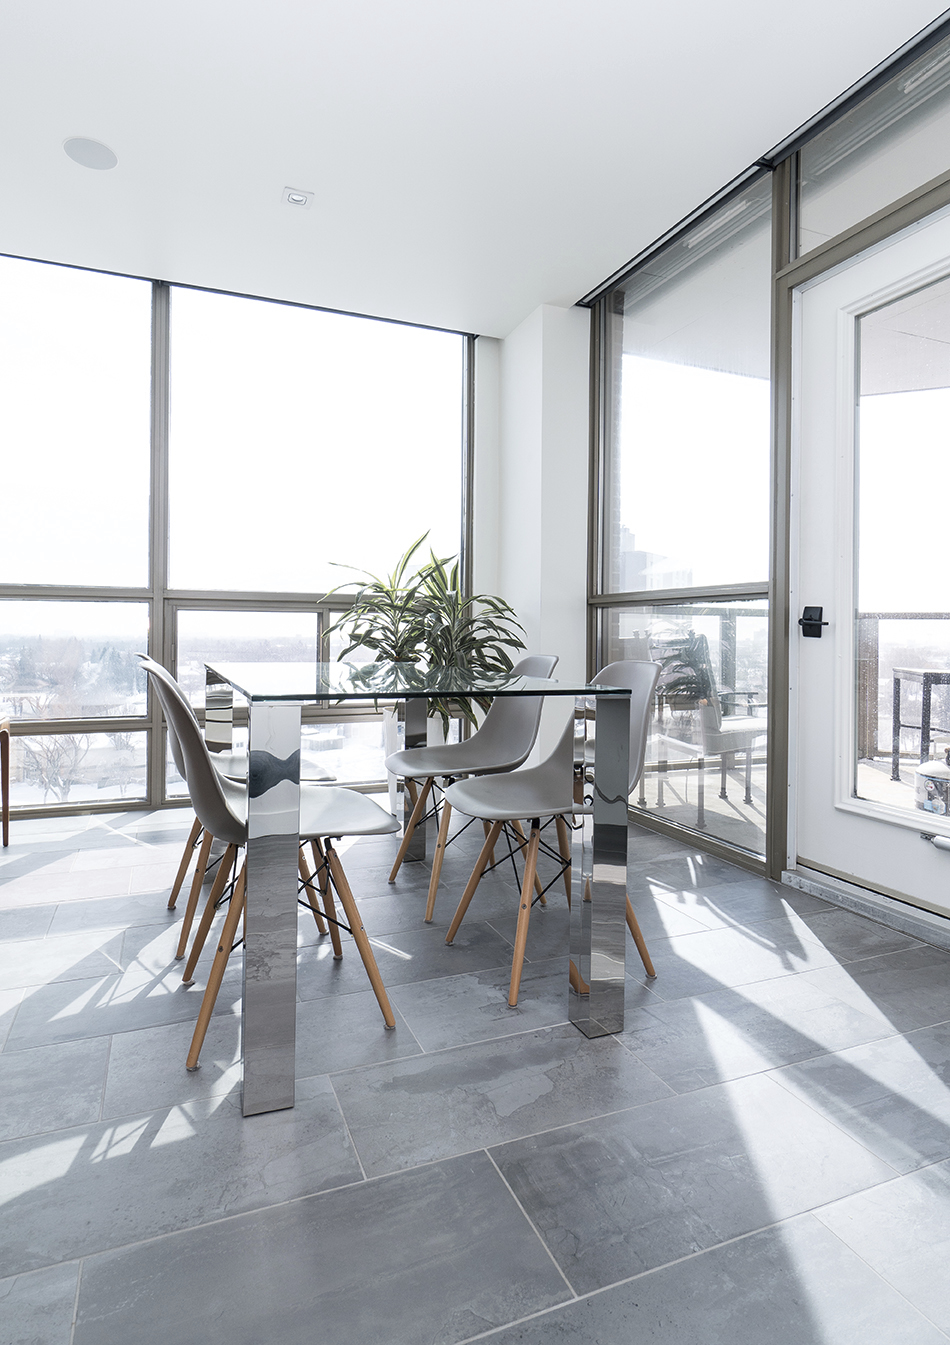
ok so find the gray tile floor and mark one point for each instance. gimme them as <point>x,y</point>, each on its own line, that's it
<point>764,1154</point>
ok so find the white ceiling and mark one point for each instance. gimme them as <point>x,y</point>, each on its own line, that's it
<point>468,161</point>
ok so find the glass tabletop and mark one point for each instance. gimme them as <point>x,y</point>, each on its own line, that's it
<point>354,681</point>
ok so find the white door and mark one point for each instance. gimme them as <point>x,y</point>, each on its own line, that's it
<point>871,546</point>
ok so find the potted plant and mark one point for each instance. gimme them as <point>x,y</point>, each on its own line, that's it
<point>420,615</point>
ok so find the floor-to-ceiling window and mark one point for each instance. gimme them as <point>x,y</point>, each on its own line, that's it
<point>191,473</point>
<point>683,561</point>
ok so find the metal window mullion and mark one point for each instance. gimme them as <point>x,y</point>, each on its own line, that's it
<point>467,540</point>
<point>158,534</point>
<point>38,728</point>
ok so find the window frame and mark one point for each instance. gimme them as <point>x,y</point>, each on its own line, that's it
<point>164,603</point>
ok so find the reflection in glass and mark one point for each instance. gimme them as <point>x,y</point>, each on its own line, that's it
<point>889,144</point>
<point>707,752</point>
<point>241,637</point>
<point>902,637</point>
<point>72,660</point>
<point>56,769</point>
<point>688,466</point>
<point>75,370</point>
<point>322,438</point>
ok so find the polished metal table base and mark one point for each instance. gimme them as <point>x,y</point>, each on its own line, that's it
<point>599,868</point>
<point>599,858</point>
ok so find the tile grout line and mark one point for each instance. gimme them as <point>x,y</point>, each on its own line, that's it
<point>531,1225</point>
<point>72,1325</point>
<point>631,1279</point>
<point>105,1081</point>
<point>874,1271</point>
<point>349,1134</point>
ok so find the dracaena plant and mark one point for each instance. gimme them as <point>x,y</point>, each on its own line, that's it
<point>420,614</point>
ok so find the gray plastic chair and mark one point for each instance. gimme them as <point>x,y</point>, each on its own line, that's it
<point>220,804</point>
<point>547,791</point>
<point>503,743</point>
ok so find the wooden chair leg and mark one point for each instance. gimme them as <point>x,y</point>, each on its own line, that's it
<point>218,966</point>
<point>524,912</point>
<point>486,828</point>
<point>473,882</point>
<point>5,781</point>
<point>190,844</point>
<point>207,916</point>
<point>519,831</point>
<point>326,891</point>
<point>307,879</point>
<point>359,934</point>
<point>633,925</point>
<point>437,858</point>
<point>564,846</point>
<point>204,854</point>
<point>416,814</point>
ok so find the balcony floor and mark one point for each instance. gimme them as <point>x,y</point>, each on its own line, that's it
<point>764,1154</point>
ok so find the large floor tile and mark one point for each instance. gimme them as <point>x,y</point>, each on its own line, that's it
<point>73,957</point>
<point>435,1256</point>
<point>76,917</point>
<point>100,1006</point>
<point>842,933</point>
<point>51,1087</point>
<point>902,1230</point>
<point>106,1185</point>
<point>414,1111</point>
<point>892,1095</point>
<point>692,1043</point>
<point>453,1010</point>
<point>147,1068</point>
<point>737,904</point>
<point>37,1309</point>
<point>44,889</point>
<point>10,1001</point>
<point>411,955</point>
<point>635,1190</point>
<point>697,964</point>
<point>30,922</point>
<point>906,990</point>
<point>343,1032</point>
<point>795,1284</point>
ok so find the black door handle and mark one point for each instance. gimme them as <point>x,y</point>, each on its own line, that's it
<point>811,622</point>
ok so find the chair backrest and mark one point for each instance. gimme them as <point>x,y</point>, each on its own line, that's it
<point>204,785</point>
<point>511,725</point>
<point>173,742</point>
<point>641,678</point>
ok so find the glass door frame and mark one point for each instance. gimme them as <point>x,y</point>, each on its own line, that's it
<point>791,273</point>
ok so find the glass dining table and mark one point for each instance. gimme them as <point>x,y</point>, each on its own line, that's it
<point>276,694</point>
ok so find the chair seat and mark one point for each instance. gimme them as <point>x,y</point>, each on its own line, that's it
<point>737,732</point>
<point>470,758</point>
<point>328,810</point>
<point>325,810</point>
<point>537,792</point>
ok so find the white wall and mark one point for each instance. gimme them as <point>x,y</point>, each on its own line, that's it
<point>531,483</point>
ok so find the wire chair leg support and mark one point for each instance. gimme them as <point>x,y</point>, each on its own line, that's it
<point>473,882</point>
<point>214,896</point>
<point>359,935</point>
<point>416,814</point>
<point>437,858</point>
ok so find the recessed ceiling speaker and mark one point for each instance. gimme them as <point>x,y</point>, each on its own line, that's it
<point>89,153</point>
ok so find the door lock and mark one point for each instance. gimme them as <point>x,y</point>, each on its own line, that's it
<point>811,622</point>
